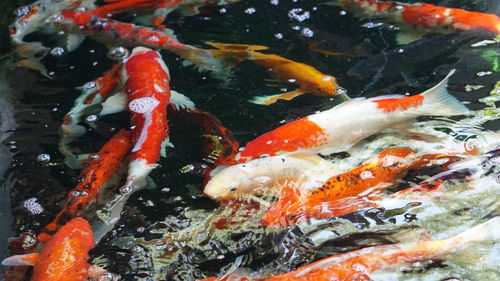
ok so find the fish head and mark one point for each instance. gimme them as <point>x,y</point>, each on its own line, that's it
<point>327,84</point>
<point>235,180</point>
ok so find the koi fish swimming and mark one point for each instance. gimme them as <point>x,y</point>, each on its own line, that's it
<point>361,264</point>
<point>115,33</point>
<point>421,15</point>
<point>99,171</point>
<point>332,131</point>
<point>345,193</point>
<point>309,79</point>
<point>64,257</point>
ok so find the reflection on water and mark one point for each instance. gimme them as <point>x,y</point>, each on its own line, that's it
<point>172,231</point>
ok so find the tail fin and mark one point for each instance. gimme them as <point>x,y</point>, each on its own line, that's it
<point>233,54</point>
<point>489,230</point>
<point>30,55</point>
<point>201,58</point>
<point>438,101</point>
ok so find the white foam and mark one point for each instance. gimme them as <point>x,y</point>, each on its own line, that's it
<point>143,105</point>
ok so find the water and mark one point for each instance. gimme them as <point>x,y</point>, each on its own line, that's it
<point>173,232</point>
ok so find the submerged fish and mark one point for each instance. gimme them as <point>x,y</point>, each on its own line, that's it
<point>99,171</point>
<point>330,44</point>
<point>32,18</point>
<point>250,177</point>
<point>344,193</point>
<point>111,32</point>
<point>426,16</point>
<point>308,78</point>
<point>341,127</point>
<point>403,60</point>
<point>360,264</point>
<point>64,257</point>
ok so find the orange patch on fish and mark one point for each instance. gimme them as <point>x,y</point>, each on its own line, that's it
<point>395,104</point>
<point>302,133</point>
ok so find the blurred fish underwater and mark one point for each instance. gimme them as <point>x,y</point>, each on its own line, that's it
<point>364,148</point>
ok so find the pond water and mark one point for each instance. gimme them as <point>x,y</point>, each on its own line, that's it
<point>172,231</point>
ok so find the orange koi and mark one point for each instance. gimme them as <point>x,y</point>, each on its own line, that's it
<point>111,32</point>
<point>339,128</point>
<point>64,257</point>
<point>360,264</point>
<point>309,79</point>
<point>422,15</point>
<point>345,193</point>
<point>98,172</point>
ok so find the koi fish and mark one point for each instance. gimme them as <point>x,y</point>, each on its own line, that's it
<point>308,78</point>
<point>330,44</point>
<point>95,176</point>
<point>111,32</point>
<point>422,15</point>
<point>341,127</point>
<point>344,193</point>
<point>94,94</point>
<point>64,257</point>
<point>31,18</point>
<point>359,264</point>
<point>160,8</point>
<point>256,175</point>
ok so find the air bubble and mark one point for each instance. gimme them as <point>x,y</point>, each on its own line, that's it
<point>275,2</point>
<point>278,35</point>
<point>22,11</point>
<point>57,51</point>
<point>94,156</point>
<point>43,157</point>
<point>91,118</point>
<point>90,85</point>
<point>342,13</point>
<point>306,32</point>
<point>33,206</point>
<point>143,105</point>
<point>125,189</point>
<point>299,14</point>
<point>250,11</point>
<point>118,53</point>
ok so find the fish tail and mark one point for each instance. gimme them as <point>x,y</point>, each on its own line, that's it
<point>201,58</point>
<point>438,101</point>
<point>30,54</point>
<point>233,54</point>
<point>489,230</point>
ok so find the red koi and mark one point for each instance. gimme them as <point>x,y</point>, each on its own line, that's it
<point>346,192</point>
<point>95,176</point>
<point>360,264</point>
<point>64,257</point>
<point>111,32</point>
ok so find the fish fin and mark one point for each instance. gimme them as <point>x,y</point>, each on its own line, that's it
<point>121,6</point>
<point>333,3</point>
<point>438,101</point>
<point>181,101</point>
<point>202,58</point>
<point>164,144</point>
<point>73,41</point>
<point>227,47</point>
<point>114,104</point>
<point>408,36</point>
<point>19,260</point>
<point>30,55</point>
<point>267,100</point>
<point>488,230</point>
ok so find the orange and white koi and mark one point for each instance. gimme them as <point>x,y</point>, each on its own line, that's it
<point>99,171</point>
<point>64,257</point>
<point>260,174</point>
<point>111,32</point>
<point>360,264</point>
<point>341,127</point>
<point>347,192</point>
<point>309,79</point>
<point>423,15</point>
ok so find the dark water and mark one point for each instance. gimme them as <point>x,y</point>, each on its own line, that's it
<point>169,235</point>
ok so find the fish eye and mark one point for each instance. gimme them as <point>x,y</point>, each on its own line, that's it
<point>340,91</point>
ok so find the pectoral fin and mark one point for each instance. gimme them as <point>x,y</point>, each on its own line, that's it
<point>408,36</point>
<point>27,259</point>
<point>267,100</point>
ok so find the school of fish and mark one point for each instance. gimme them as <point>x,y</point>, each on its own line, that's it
<point>290,166</point>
